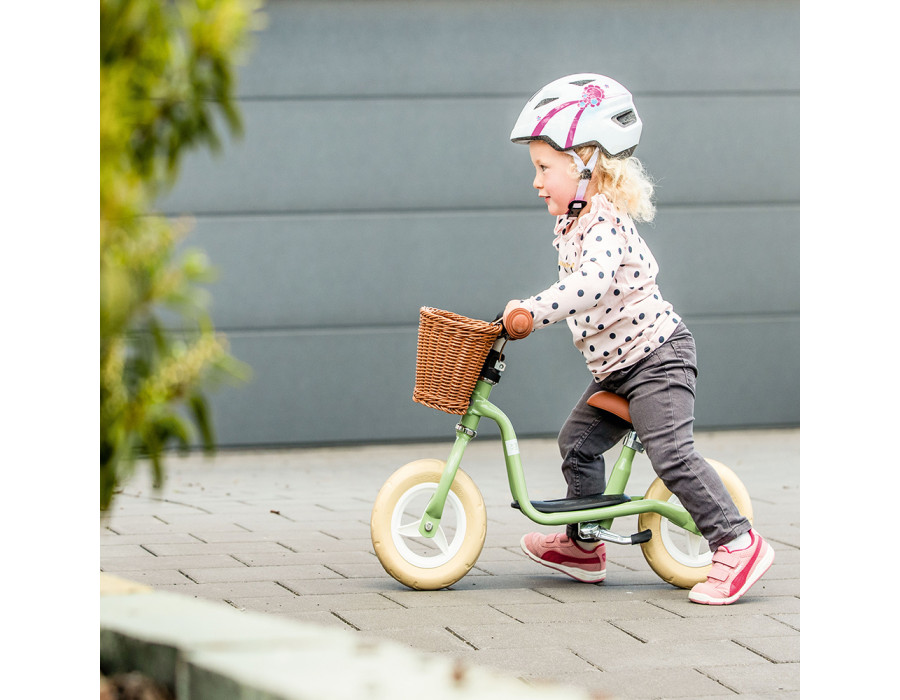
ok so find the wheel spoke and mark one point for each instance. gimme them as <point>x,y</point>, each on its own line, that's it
<point>694,544</point>
<point>410,530</point>
<point>440,539</point>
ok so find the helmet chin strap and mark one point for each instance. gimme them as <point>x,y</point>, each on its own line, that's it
<point>579,203</point>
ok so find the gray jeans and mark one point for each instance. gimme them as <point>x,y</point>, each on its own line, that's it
<point>660,393</point>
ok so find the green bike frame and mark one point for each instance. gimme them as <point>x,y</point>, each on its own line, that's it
<point>481,407</point>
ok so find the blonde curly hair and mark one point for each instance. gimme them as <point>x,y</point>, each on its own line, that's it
<point>624,181</point>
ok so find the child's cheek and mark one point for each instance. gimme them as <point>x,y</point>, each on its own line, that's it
<point>556,207</point>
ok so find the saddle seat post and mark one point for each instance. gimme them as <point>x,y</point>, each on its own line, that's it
<point>621,471</point>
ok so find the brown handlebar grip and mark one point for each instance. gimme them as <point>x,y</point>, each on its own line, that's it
<point>518,323</point>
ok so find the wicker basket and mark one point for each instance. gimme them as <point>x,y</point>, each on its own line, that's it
<point>451,352</point>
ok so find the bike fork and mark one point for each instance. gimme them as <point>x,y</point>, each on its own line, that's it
<point>431,519</point>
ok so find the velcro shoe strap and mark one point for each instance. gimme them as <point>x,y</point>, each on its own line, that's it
<point>718,573</point>
<point>726,558</point>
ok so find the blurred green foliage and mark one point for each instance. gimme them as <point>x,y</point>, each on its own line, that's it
<point>166,86</point>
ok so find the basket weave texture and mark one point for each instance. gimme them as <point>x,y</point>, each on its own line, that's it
<point>451,352</point>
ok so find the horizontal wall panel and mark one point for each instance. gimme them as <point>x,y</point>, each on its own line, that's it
<point>728,260</point>
<point>346,386</point>
<point>749,371</point>
<point>340,48</point>
<point>372,269</point>
<point>723,149</point>
<point>347,270</point>
<point>344,155</point>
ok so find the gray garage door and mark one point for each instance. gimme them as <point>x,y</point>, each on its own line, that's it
<point>375,176</point>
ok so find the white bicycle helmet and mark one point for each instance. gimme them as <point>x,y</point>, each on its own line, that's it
<point>580,110</point>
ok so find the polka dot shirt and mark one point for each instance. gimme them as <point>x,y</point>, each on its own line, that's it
<point>607,291</point>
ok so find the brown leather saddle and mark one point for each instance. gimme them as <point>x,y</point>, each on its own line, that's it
<point>611,403</point>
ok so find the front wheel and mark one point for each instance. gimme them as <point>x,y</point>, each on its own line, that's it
<point>420,562</point>
<point>676,555</point>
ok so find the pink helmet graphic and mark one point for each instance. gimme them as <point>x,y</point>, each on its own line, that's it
<point>579,110</point>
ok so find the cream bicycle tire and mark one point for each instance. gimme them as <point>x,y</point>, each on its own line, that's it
<point>427,563</point>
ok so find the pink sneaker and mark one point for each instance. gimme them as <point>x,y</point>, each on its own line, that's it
<point>561,553</point>
<point>733,573</point>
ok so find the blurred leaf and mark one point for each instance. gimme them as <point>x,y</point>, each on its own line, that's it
<point>166,72</point>
<point>200,411</point>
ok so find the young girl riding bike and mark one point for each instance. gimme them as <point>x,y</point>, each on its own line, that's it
<point>581,131</point>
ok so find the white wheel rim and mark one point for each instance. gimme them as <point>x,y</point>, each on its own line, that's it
<point>684,547</point>
<point>427,552</point>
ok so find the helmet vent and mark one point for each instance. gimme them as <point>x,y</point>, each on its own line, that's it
<point>582,83</point>
<point>546,101</point>
<point>626,118</point>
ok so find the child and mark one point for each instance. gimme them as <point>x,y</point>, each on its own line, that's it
<point>581,131</point>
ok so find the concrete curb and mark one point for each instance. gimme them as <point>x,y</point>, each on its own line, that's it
<point>204,650</point>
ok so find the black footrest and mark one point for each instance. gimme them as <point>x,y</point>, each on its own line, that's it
<point>565,505</point>
<point>642,536</point>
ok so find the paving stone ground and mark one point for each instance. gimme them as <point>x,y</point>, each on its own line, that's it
<point>286,532</point>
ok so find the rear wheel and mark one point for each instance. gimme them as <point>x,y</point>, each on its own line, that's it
<point>676,555</point>
<point>427,563</point>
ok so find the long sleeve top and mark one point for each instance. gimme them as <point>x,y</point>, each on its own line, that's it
<point>607,291</point>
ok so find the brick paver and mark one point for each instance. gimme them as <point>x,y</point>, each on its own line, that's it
<point>286,533</point>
